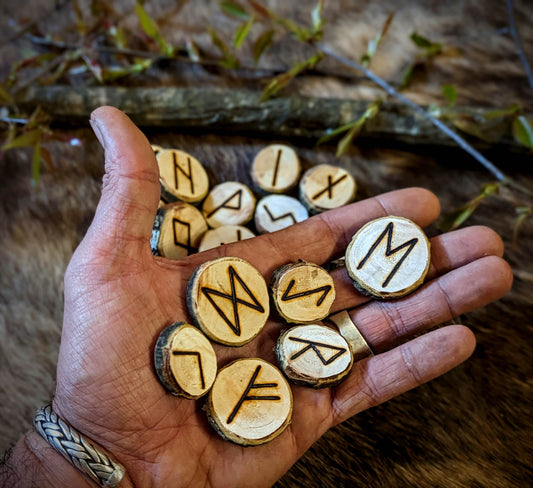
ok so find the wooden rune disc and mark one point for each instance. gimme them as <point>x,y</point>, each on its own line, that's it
<point>325,187</point>
<point>302,292</point>
<point>314,355</point>
<point>182,176</point>
<point>276,168</point>
<point>275,212</point>
<point>225,234</point>
<point>228,299</point>
<point>229,203</point>
<point>250,402</point>
<point>185,361</point>
<point>177,231</point>
<point>388,257</point>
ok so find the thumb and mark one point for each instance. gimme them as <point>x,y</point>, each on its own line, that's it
<point>130,192</point>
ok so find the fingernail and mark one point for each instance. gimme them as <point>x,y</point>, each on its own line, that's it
<point>97,131</point>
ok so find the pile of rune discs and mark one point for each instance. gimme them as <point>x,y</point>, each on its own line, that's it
<point>249,400</point>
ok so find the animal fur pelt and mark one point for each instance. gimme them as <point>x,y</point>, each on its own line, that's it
<point>470,428</point>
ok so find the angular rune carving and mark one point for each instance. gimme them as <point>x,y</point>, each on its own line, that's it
<point>389,230</point>
<point>234,325</point>
<point>199,358</point>
<point>281,217</point>
<point>225,203</point>
<point>178,169</point>
<point>323,289</point>
<point>312,345</point>
<point>246,397</point>
<point>187,244</point>
<point>276,169</point>
<point>329,187</point>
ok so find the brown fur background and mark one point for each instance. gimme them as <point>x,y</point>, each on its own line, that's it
<point>470,428</point>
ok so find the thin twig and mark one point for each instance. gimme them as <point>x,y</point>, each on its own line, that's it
<point>518,44</point>
<point>11,120</point>
<point>499,175</point>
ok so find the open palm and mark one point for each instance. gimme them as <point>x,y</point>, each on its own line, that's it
<point>119,297</point>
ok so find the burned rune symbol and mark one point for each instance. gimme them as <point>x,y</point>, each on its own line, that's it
<point>235,326</point>
<point>329,187</point>
<point>199,357</point>
<point>245,397</point>
<point>389,230</point>
<point>314,346</point>
<point>274,219</point>
<point>225,203</point>
<point>187,244</point>
<point>324,289</point>
<point>178,169</point>
<point>276,169</point>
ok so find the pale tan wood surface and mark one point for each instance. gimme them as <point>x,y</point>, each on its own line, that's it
<point>178,230</point>
<point>276,212</point>
<point>250,402</point>
<point>185,361</point>
<point>228,299</point>
<point>276,168</point>
<point>182,176</point>
<point>229,203</point>
<point>314,355</point>
<point>156,148</point>
<point>224,234</point>
<point>325,186</point>
<point>388,257</point>
<point>302,292</point>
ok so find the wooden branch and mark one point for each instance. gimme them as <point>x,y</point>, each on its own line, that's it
<point>235,111</point>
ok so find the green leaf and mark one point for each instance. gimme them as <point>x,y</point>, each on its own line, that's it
<point>192,50</point>
<point>502,112</point>
<point>352,128</point>
<point>263,42</point>
<point>36,163</point>
<point>228,61</point>
<point>234,9</point>
<point>373,44</point>
<point>346,141</point>
<point>5,96</point>
<point>450,93</point>
<point>430,47</point>
<point>242,32</point>
<point>317,19</point>
<point>151,29</point>
<point>523,214</point>
<point>26,139</point>
<point>115,72</point>
<point>457,217</point>
<point>523,131</point>
<point>280,81</point>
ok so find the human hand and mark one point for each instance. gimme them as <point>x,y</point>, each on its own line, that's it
<point>118,298</point>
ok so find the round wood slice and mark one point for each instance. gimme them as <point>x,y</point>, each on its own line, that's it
<point>182,176</point>
<point>388,257</point>
<point>276,168</point>
<point>325,187</point>
<point>302,292</point>
<point>314,355</point>
<point>185,361</point>
<point>224,235</point>
<point>229,203</point>
<point>178,230</point>
<point>228,299</point>
<point>250,402</point>
<point>275,212</point>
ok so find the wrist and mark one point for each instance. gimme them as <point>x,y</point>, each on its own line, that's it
<point>33,462</point>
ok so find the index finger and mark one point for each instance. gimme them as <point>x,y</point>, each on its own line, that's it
<point>324,237</point>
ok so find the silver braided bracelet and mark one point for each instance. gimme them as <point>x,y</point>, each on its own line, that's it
<point>77,449</point>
